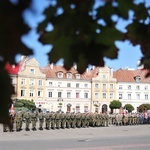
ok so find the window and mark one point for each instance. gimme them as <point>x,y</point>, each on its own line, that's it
<point>77,76</point>
<point>22,93</point>
<point>12,81</point>
<point>68,84</point>
<point>96,86</point>
<point>50,94</point>
<point>32,71</point>
<point>104,95</point>
<point>86,108</point>
<point>137,96</point>
<point>96,95</point>
<point>85,95</point>
<point>23,81</point>
<point>50,83</point>
<point>120,87</point>
<point>59,94</point>
<point>69,75</point>
<point>40,93</point>
<point>60,75</point>
<point>31,93</point>
<point>120,96</point>
<point>77,85</point>
<point>137,79</point>
<point>59,84</point>
<point>146,87</point>
<point>137,87</point>
<point>129,87</point>
<point>129,96</point>
<point>111,86</point>
<point>85,85</point>
<point>111,95</point>
<point>31,81</point>
<point>104,86</point>
<point>40,83</point>
<point>68,94</point>
<point>77,95</point>
<point>77,108</point>
<point>104,77</point>
<point>146,96</point>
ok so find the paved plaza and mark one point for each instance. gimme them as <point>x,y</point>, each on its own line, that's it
<point>92,138</point>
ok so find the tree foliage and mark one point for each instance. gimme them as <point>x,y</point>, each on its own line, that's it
<point>144,107</point>
<point>25,103</point>
<point>83,33</point>
<point>129,107</point>
<point>115,104</point>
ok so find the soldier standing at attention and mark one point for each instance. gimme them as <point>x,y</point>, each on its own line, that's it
<point>63,120</point>
<point>18,120</point>
<point>53,120</point>
<point>34,120</point>
<point>47,120</point>
<point>27,120</point>
<point>41,120</point>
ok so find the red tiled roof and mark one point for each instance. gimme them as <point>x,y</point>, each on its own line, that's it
<point>12,69</point>
<point>51,72</point>
<point>129,75</point>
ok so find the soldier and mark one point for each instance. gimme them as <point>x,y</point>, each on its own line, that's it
<point>34,120</point>
<point>68,120</point>
<point>106,119</point>
<point>12,118</point>
<point>41,120</point>
<point>78,118</point>
<point>63,120</point>
<point>27,120</point>
<point>83,120</point>
<point>4,128</point>
<point>73,120</point>
<point>47,120</point>
<point>18,120</point>
<point>53,120</point>
<point>57,117</point>
<point>88,119</point>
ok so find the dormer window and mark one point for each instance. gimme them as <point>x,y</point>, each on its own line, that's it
<point>77,76</point>
<point>60,75</point>
<point>137,78</point>
<point>69,75</point>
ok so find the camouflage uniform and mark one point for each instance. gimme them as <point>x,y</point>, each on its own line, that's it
<point>47,120</point>
<point>33,120</point>
<point>27,120</point>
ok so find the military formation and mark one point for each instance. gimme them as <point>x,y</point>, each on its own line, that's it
<point>60,120</point>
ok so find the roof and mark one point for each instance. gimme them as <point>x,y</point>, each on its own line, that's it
<point>12,69</point>
<point>129,75</point>
<point>52,70</point>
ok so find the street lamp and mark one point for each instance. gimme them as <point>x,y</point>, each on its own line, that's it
<point>60,100</point>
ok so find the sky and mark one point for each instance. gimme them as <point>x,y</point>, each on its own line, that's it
<point>128,55</point>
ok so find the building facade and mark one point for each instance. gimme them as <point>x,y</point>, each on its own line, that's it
<point>54,88</point>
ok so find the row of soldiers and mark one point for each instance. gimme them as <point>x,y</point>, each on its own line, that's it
<point>57,120</point>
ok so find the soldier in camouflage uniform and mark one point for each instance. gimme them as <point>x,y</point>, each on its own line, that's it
<point>53,120</point>
<point>78,120</point>
<point>73,120</point>
<point>34,120</point>
<point>63,120</point>
<point>27,118</point>
<point>18,120</point>
<point>41,120</point>
<point>57,119</point>
<point>68,120</point>
<point>87,119</point>
<point>47,120</point>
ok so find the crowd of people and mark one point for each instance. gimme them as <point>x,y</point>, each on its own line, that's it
<point>60,120</point>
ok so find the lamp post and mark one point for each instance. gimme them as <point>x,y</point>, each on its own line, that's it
<point>60,100</point>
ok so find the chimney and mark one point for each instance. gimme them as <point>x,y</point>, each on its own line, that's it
<point>51,65</point>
